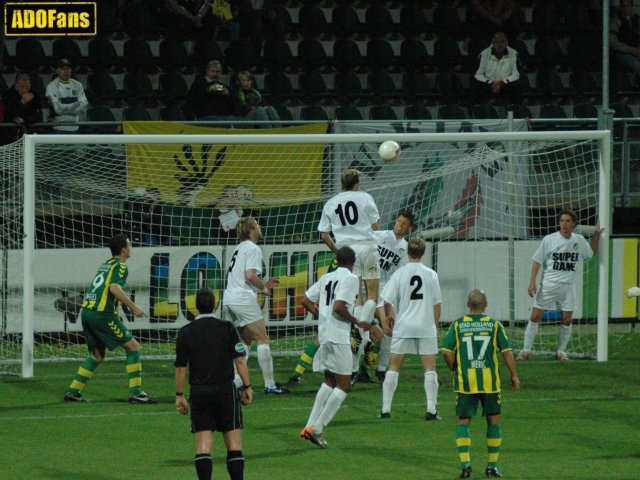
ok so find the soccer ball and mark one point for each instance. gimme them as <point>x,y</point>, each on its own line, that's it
<point>633,292</point>
<point>389,151</point>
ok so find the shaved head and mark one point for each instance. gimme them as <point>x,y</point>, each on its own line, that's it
<point>477,300</point>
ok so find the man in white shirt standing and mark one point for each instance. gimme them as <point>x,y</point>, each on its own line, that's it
<point>244,281</point>
<point>67,99</point>
<point>497,75</point>
<point>335,295</point>
<point>558,256</point>
<point>414,291</point>
<point>352,216</point>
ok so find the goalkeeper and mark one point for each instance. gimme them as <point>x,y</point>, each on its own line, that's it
<point>558,256</point>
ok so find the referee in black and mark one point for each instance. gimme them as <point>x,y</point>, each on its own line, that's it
<point>210,347</point>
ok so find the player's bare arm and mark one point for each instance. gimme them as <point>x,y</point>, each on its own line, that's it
<point>309,306</point>
<point>254,279</point>
<point>449,359</point>
<point>328,241</point>
<point>437,311</point>
<point>595,240</point>
<point>340,307</point>
<point>116,291</point>
<point>533,287</point>
<point>510,362</point>
<point>181,402</point>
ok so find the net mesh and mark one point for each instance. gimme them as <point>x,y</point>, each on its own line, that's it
<point>180,203</point>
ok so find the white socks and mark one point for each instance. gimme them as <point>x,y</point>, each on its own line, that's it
<point>331,407</point>
<point>321,397</point>
<point>385,354</point>
<point>389,389</point>
<point>564,335</point>
<point>431,390</point>
<point>529,335</point>
<point>368,309</point>
<point>266,364</point>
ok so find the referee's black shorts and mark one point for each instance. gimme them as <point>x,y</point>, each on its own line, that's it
<point>215,408</point>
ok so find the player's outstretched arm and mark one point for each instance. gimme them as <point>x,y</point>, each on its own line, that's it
<point>595,240</point>
<point>510,362</point>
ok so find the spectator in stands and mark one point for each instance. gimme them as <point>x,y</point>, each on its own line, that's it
<point>251,104</point>
<point>487,16</point>
<point>67,99</point>
<point>624,36</point>
<point>497,76</point>
<point>186,18</point>
<point>22,106</point>
<point>209,98</point>
<point>225,15</point>
<point>150,219</point>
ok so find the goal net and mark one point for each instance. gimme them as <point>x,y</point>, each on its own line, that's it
<point>481,199</point>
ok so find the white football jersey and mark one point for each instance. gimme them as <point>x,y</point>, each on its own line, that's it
<point>247,256</point>
<point>349,215</point>
<point>340,284</point>
<point>413,290</point>
<point>559,256</point>
<point>392,253</point>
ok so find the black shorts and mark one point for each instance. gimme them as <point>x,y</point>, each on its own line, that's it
<point>215,408</point>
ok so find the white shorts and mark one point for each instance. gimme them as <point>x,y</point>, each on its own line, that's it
<point>554,296</point>
<point>367,264</point>
<point>242,315</point>
<point>334,357</point>
<point>416,346</point>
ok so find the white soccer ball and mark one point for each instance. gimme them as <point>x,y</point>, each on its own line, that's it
<point>389,151</point>
<point>633,292</point>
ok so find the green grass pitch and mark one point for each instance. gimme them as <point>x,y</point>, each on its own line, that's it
<point>577,420</point>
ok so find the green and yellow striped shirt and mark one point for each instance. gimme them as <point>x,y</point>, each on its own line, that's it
<point>99,298</point>
<point>476,340</point>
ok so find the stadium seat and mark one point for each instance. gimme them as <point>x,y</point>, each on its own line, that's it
<point>548,54</point>
<point>173,55</point>
<point>552,110</point>
<point>101,89</point>
<point>138,89</point>
<point>346,54</point>
<point>136,114</point>
<point>174,113</point>
<point>205,50</point>
<point>348,85</point>
<point>413,55</point>
<point>381,85</point>
<point>382,112</point>
<point>622,110</point>
<point>447,56</point>
<point>484,111</point>
<point>3,85</point>
<point>585,110</point>
<point>519,111</point>
<point>311,54</point>
<point>102,114</point>
<point>417,111</point>
<point>380,54</point>
<point>348,112</point>
<point>103,56</point>
<point>283,112</point>
<point>278,86</point>
<point>30,55</point>
<point>417,86</point>
<point>413,21</point>
<point>312,86</point>
<point>312,22</point>
<point>378,21</point>
<point>451,112</point>
<point>447,22</point>
<point>550,86</point>
<point>277,55</point>
<point>584,84</point>
<point>313,112</point>
<point>241,55</point>
<point>345,21</point>
<point>450,88</point>
<point>38,86</point>
<point>173,87</point>
<point>137,56</point>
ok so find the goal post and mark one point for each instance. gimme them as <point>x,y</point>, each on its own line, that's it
<point>473,211</point>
